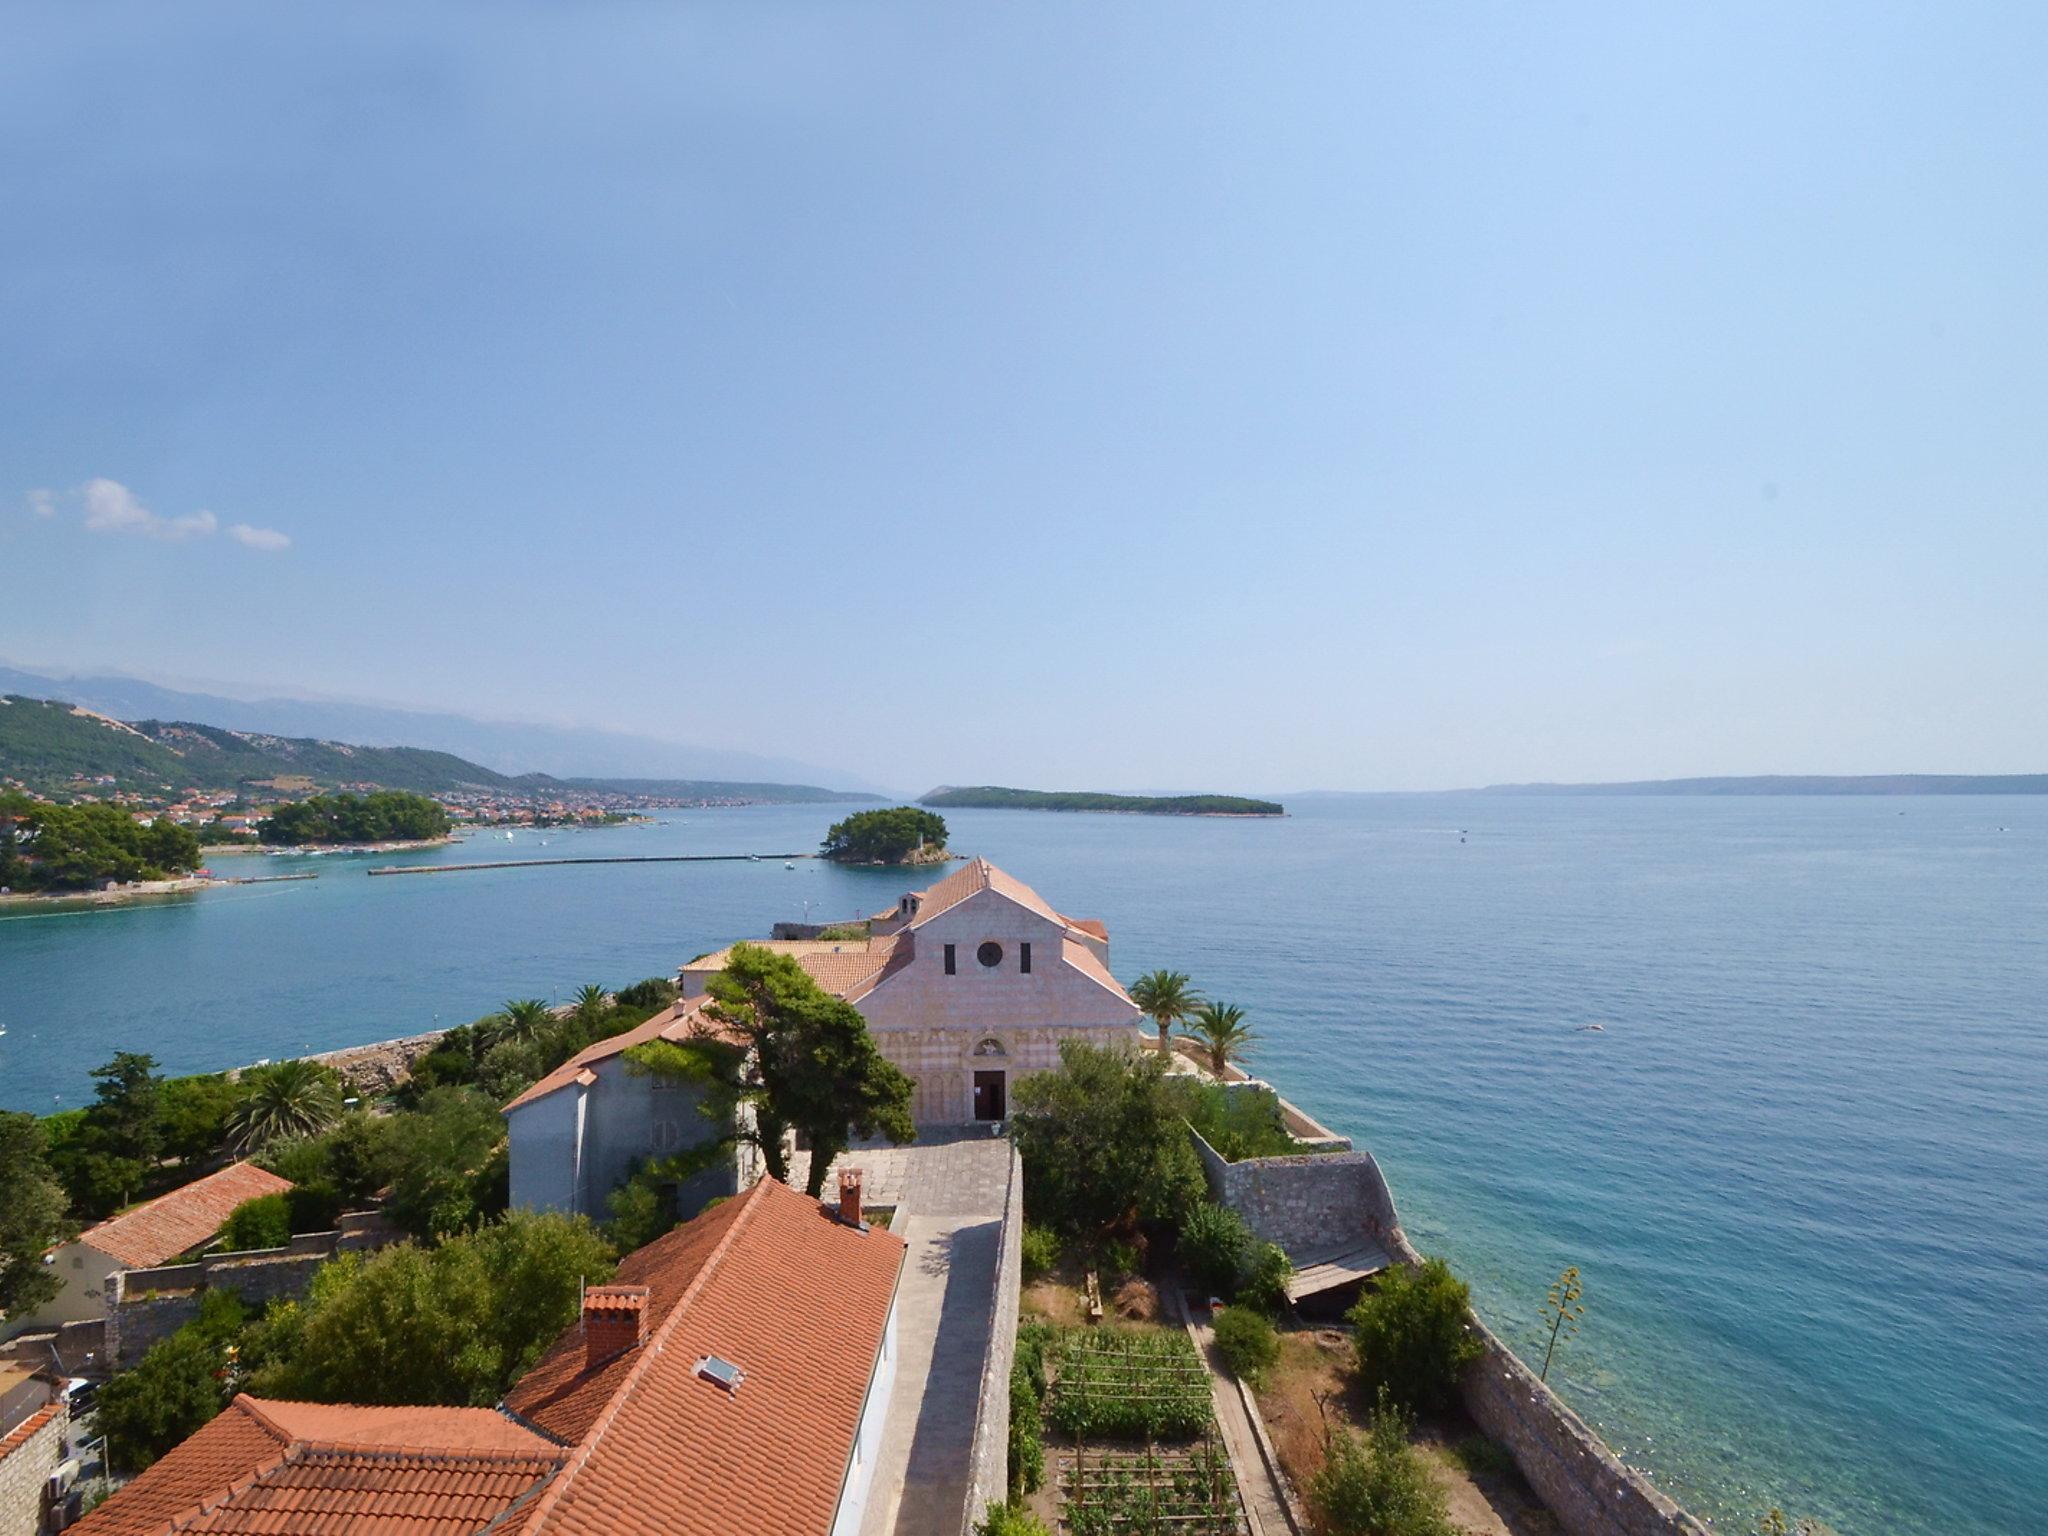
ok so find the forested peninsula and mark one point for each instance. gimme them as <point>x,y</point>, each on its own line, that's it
<point>995,798</point>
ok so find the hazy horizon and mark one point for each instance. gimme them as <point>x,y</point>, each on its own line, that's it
<point>1151,398</point>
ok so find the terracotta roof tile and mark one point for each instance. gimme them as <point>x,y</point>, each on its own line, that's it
<point>26,1430</point>
<point>186,1217</point>
<point>772,1282</point>
<point>1083,959</point>
<point>264,1467</point>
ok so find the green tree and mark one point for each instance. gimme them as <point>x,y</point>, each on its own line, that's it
<point>195,1111</point>
<point>1413,1332</point>
<point>44,846</point>
<point>884,837</point>
<point>1379,1486</point>
<point>525,1019</point>
<point>442,1165</point>
<point>285,1101</point>
<point>387,815</point>
<point>1104,1143</point>
<point>1220,1030</point>
<point>812,1064</point>
<point>179,1384</point>
<point>509,1068</point>
<point>592,1002</point>
<point>127,1107</point>
<point>1561,1308</point>
<point>1166,998</point>
<point>32,1216</point>
<point>264,1222</point>
<point>455,1325</point>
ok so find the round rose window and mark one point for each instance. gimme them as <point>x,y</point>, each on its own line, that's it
<point>990,954</point>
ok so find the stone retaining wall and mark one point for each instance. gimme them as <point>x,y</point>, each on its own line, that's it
<point>149,1305</point>
<point>988,1478</point>
<point>383,1067</point>
<point>1316,1201</point>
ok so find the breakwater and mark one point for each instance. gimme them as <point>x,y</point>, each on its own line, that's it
<point>645,858</point>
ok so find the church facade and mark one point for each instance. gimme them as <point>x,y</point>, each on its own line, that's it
<point>969,986</point>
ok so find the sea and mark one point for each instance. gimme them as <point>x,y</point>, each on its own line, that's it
<point>1772,1072</point>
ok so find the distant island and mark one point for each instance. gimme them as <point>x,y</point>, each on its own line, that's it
<point>1803,784</point>
<point>990,797</point>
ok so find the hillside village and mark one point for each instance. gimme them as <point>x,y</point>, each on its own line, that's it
<point>748,1251</point>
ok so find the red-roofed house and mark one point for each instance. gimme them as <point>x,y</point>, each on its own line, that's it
<point>143,1236</point>
<point>734,1378</point>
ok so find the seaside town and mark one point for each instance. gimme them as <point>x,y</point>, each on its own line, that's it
<point>979,1237</point>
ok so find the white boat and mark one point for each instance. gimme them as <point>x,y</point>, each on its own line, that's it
<point>789,864</point>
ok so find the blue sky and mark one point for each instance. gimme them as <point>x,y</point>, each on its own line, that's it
<point>1113,396</point>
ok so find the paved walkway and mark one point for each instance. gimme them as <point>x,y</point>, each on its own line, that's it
<point>948,1190</point>
<point>1264,1505</point>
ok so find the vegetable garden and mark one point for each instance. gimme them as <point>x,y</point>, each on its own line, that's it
<point>1138,1386</point>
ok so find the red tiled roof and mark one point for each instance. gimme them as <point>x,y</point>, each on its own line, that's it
<point>26,1430</point>
<point>186,1217</point>
<point>682,1021</point>
<point>264,1467</point>
<point>777,1285</point>
<point>1083,959</point>
<point>1095,927</point>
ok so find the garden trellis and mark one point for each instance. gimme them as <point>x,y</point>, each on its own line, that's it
<point>1154,1492</point>
<point>1128,1384</point>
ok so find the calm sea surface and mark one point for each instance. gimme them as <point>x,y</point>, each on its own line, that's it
<point>1803,1164</point>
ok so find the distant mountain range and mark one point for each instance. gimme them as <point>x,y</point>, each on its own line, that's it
<point>48,743</point>
<point>1804,784</point>
<point>506,747</point>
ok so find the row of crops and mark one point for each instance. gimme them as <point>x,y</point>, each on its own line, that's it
<point>1149,1493</point>
<point>1127,1384</point>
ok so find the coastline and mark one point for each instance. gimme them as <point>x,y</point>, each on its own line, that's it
<point>135,890</point>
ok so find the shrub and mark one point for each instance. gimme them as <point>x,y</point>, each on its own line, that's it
<point>1010,1520</point>
<point>1247,1342</point>
<point>509,1068</point>
<point>1265,1285</point>
<point>445,1172</point>
<point>456,1324</point>
<point>1241,1122</point>
<point>1041,1249</point>
<point>315,1206</point>
<point>265,1222</point>
<point>177,1386</point>
<point>1378,1485</point>
<point>1413,1335</point>
<point>654,993</point>
<point>1215,1247</point>
<point>1027,1447</point>
<point>1032,1339</point>
<point>1117,1259</point>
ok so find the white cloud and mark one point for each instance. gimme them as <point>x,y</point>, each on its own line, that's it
<point>258,538</point>
<point>110,507</point>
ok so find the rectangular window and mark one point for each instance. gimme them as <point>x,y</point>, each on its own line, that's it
<point>1024,958</point>
<point>949,960</point>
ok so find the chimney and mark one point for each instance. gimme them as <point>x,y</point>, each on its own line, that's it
<point>849,1197</point>
<point>614,1321</point>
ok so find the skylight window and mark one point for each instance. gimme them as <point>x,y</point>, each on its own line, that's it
<point>723,1372</point>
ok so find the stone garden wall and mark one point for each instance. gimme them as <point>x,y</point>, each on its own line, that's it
<point>1312,1202</point>
<point>988,1478</point>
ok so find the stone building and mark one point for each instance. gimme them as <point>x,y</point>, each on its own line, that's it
<point>968,986</point>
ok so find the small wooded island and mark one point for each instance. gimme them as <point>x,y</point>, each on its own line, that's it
<point>901,835</point>
<point>990,797</point>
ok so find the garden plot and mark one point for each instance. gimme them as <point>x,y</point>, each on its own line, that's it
<point>1129,1410</point>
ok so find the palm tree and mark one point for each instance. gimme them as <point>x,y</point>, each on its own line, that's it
<point>591,1002</point>
<point>285,1102</point>
<point>1220,1029</point>
<point>525,1018</point>
<point>1166,999</point>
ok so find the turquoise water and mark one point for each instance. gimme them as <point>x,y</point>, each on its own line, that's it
<point>1803,1166</point>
